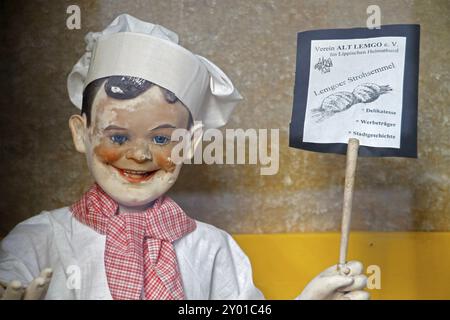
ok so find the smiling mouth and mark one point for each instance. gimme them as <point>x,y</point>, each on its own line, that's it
<point>135,176</point>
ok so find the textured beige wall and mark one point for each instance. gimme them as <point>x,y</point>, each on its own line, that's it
<point>255,42</point>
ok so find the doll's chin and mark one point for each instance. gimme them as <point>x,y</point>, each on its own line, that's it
<point>132,198</point>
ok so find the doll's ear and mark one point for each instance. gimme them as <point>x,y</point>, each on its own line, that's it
<point>196,134</point>
<point>78,128</point>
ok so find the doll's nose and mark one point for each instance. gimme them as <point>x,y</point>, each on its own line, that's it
<point>139,153</point>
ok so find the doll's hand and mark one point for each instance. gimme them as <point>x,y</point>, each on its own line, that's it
<point>35,291</point>
<point>332,284</point>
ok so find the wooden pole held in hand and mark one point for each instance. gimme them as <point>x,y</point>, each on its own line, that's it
<point>350,169</point>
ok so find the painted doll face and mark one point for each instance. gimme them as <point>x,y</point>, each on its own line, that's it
<point>129,145</point>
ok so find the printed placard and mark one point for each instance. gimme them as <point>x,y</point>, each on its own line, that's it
<point>357,83</point>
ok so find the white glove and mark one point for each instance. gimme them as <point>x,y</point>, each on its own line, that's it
<point>36,290</point>
<point>332,284</point>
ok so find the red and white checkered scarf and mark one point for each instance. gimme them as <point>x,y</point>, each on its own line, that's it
<point>140,260</point>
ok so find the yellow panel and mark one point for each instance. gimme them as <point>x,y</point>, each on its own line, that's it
<point>414,265</point>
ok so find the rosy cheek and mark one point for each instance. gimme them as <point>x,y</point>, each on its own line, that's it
<point>108,154</point>
<point>162,159</point>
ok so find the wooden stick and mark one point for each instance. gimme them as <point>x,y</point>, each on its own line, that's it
<point>352,157</point>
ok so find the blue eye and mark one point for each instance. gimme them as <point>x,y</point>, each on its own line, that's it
<point>119,139</point>
<point>161,140</point>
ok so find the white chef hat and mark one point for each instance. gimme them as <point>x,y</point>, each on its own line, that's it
<point>131,47</point>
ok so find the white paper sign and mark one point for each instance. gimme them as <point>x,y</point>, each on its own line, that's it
<point>355,91</point>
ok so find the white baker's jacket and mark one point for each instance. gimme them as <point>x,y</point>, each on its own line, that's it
<point>211,263</point>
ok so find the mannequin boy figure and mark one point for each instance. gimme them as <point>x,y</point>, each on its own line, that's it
<point>124,239</point>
